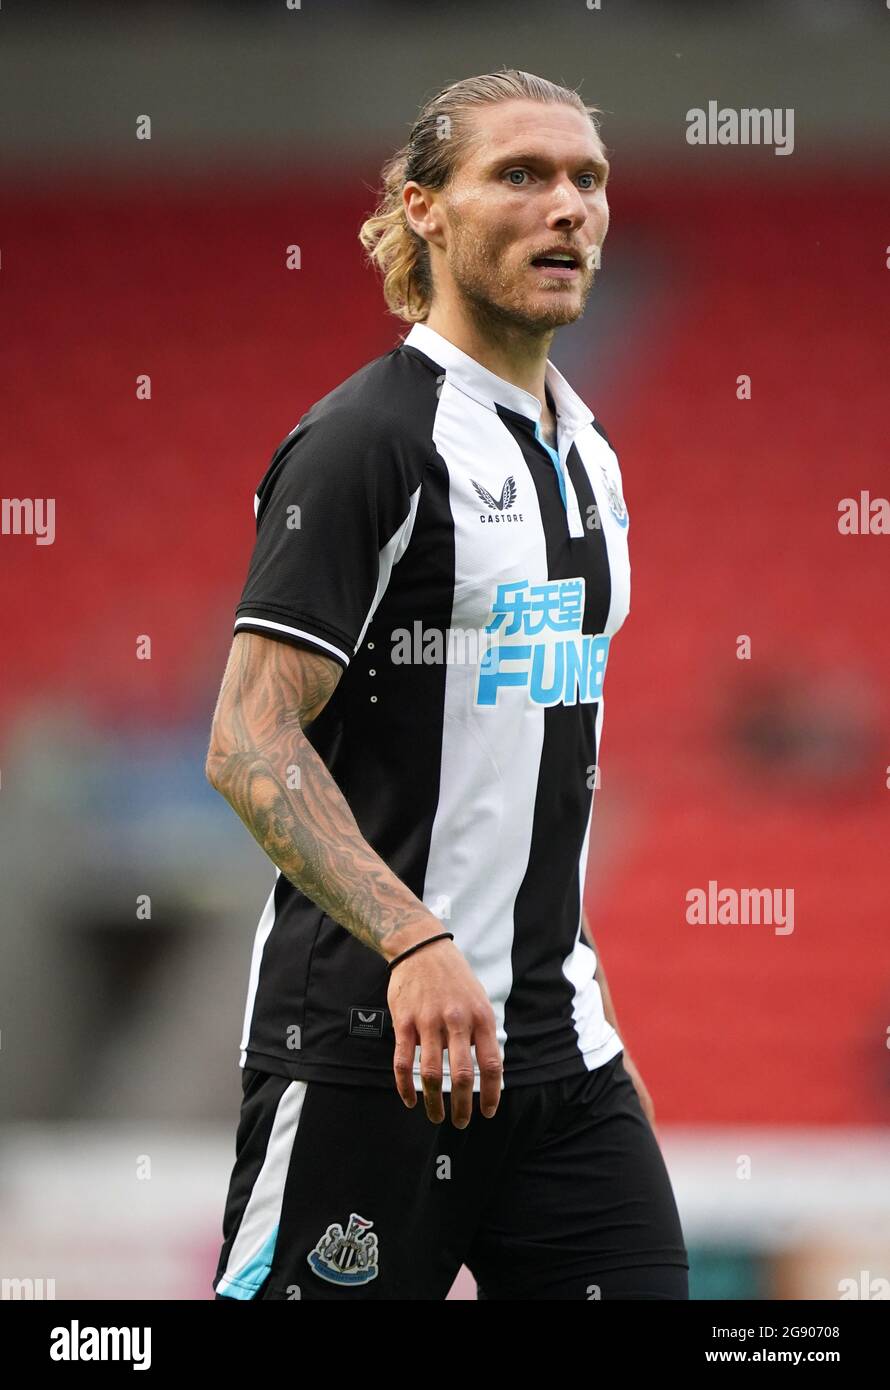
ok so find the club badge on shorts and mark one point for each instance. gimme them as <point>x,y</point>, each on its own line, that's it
<point>346,1257</point>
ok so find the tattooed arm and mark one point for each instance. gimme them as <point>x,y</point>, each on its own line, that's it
<point>270,692</point>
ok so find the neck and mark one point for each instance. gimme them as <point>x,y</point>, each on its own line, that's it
<point>513,352</point>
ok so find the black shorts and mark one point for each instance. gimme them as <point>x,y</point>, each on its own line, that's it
<point>341,1192</point>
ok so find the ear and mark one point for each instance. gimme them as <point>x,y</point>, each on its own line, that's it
<point>423,211</point>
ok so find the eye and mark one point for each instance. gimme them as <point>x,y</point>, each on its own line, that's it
<point>594,177</point>
<point>520,172</point>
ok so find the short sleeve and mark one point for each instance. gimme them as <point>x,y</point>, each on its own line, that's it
<point>334,514</point>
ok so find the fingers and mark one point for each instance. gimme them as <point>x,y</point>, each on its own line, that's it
<point>403,1064</point>
<point>462,1073</point>
<point>431,1074</point>
<point>491,1068</point>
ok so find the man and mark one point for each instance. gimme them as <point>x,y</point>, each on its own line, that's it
<point>427,800</point>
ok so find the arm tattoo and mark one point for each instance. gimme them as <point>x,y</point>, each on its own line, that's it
<point>262,763</point>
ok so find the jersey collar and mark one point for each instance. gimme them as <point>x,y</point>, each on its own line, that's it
<point>477,381</point>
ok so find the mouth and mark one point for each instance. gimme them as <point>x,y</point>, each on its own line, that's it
<point>559,265</point>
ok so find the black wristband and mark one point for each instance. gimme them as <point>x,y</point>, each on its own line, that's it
<point>419,945</point>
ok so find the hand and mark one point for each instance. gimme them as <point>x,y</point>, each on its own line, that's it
<point>640,1087</point>
<point>435,999</point>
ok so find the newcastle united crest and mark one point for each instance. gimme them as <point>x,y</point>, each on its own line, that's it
<point>616,501</point>
<point>346,1257</point>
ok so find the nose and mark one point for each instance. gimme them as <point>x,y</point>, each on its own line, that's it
<point>568,208</point>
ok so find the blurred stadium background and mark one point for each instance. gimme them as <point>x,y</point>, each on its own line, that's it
<point>766,1054</point>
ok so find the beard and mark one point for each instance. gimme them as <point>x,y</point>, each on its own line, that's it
<point>495,292</point>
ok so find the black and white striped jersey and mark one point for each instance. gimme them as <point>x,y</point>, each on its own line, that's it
<point>415,527</point>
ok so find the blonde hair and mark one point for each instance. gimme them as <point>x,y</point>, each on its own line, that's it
<point>439,137</point>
